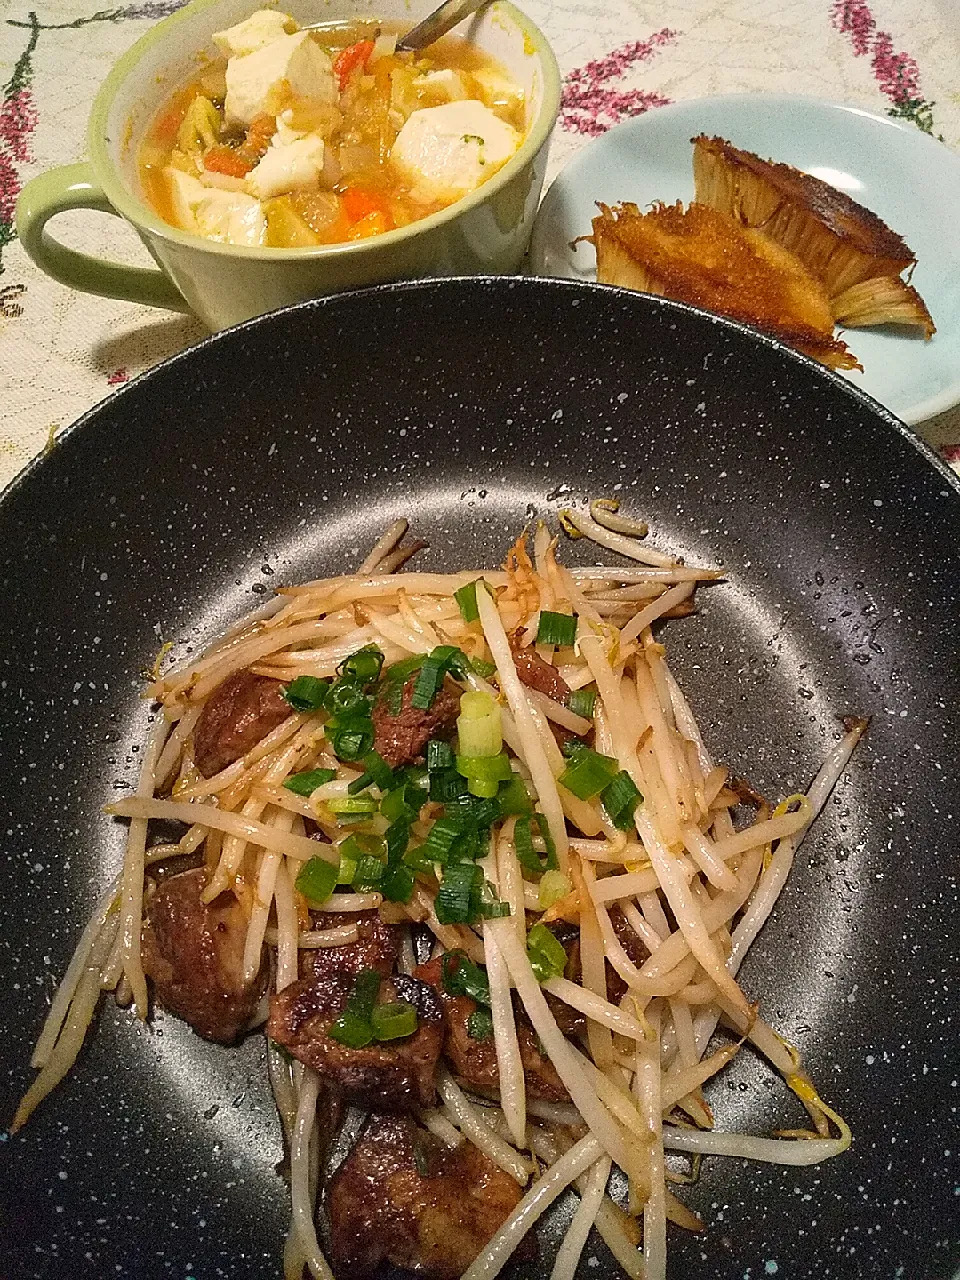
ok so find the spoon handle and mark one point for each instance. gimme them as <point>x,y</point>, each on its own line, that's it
<point>438,24</point>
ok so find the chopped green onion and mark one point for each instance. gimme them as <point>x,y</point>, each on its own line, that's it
<point>460,884</point>
<point>306,693</point>
<point>491,768</point>
<point>441,838</point>
<point>345,697</point>
<point>359,846</point>
<point>475,705</point>
<point>436,664</point>
<point>364,665</point>
<point>393,697</point>
<point>461,977</point>
<point>466,598</point>
<point>348,866</point>
<point>549,847</point>
<point>514,798</point>
<point>351,738</point>
<point>418,860</point>
<point>531,858</point>
<point>488,906</point>
<point>393,1021</point>
<point>479,812</point>
<point>304,784</point>
<point>547,957</point>
<point>458,664</point>
<point>439,755</point>
<point>402,671</point>
<point>352,804</point>
<point>484,788</point>
<point>353,1028</point>
<point>397,883</point>
<point>588,773</point>
<point>482,668</point>
<point>446,785</point>
<point>369,872</point>
<point>465,896</point>
<point>479,726</point>
<point>582,702</point>
<point>416,775</point>
<point>556,628</point>
<point>317,879</point>
<point>554,885</point>
<point>480,1025</point>
<point>402,802</point>
<point>523,840</point>
<point>396,839</point>
<point>428,684</point>
<point>376,772</point>
<point>620,799</point>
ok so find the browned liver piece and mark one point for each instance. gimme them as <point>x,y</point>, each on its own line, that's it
<point>404,1198</point>
<point>475,1061</point>
<point>377,945</point>
<point>239,712</point>
<point>402,738</point>
<point>537,674</point>
<point>396,1076</point>
<point>193,954</point>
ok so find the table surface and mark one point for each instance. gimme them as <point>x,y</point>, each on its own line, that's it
<point>61,351</point>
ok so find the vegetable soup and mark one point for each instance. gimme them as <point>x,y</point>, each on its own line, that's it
<point>295,138</point>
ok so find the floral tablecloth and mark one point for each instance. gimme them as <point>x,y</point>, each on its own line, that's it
<point>61,352</point>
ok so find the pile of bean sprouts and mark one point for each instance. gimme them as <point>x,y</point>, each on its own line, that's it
<point>695,888</point>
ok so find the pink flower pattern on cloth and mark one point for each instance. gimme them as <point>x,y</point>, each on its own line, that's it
<point>590,105</point>
<point>62,351</point>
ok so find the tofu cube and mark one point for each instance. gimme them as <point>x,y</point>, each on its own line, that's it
<point>262,27</point>
<point>445,152</point>
<point>186,192</point>
<point>445,85</point>
<point>288,164</point>
<point>497,89</point>
<point>229,217</point>
<point>297,59</point>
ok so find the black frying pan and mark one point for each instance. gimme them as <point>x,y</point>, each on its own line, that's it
<point>280,450</point>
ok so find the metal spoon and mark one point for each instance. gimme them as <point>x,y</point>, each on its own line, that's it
<point>434,25</point>
<point>438,23</point>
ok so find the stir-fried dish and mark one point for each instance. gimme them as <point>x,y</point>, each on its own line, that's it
<point>298,138</point>
<point>457,841</point>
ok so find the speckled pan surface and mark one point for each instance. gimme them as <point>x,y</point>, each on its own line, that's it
<point>277,451</point>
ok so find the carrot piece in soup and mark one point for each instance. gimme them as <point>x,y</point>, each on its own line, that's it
<point>226,160</point>
<point>373,224</point>
<point>354,55</point>
<point>358,204</point>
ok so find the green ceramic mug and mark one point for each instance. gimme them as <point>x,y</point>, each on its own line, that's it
<point>486,232</point>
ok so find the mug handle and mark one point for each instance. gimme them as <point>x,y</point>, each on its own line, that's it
<point>73,186</point>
